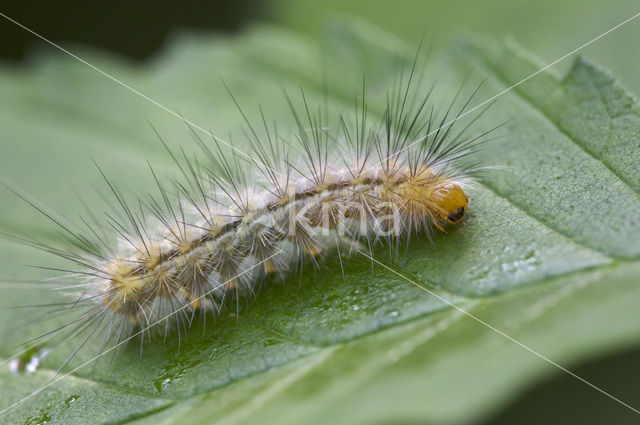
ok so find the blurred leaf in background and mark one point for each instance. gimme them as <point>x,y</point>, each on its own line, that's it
<point>547,28</point>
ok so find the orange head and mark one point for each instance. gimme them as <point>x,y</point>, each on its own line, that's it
<point>449,203</point>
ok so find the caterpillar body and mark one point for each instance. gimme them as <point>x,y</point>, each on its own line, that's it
<point>217,255</point>
<point>235,219</point>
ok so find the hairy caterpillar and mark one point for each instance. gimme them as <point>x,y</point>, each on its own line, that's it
<point>231,223</point>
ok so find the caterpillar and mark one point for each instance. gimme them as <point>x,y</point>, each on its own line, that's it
<point>235,221</point>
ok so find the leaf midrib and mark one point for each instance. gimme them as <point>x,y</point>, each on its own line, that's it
<point>320,348</point>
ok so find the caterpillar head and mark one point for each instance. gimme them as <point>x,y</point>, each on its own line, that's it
<point>449,203</point>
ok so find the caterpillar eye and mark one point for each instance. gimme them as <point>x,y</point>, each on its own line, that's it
<point>456,215</point>
<point>451,202</point>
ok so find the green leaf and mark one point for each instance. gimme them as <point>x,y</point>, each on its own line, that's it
<point>548,255</point>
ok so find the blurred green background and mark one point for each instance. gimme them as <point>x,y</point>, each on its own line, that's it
<point>138,29</point>
<point>548,28</point>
